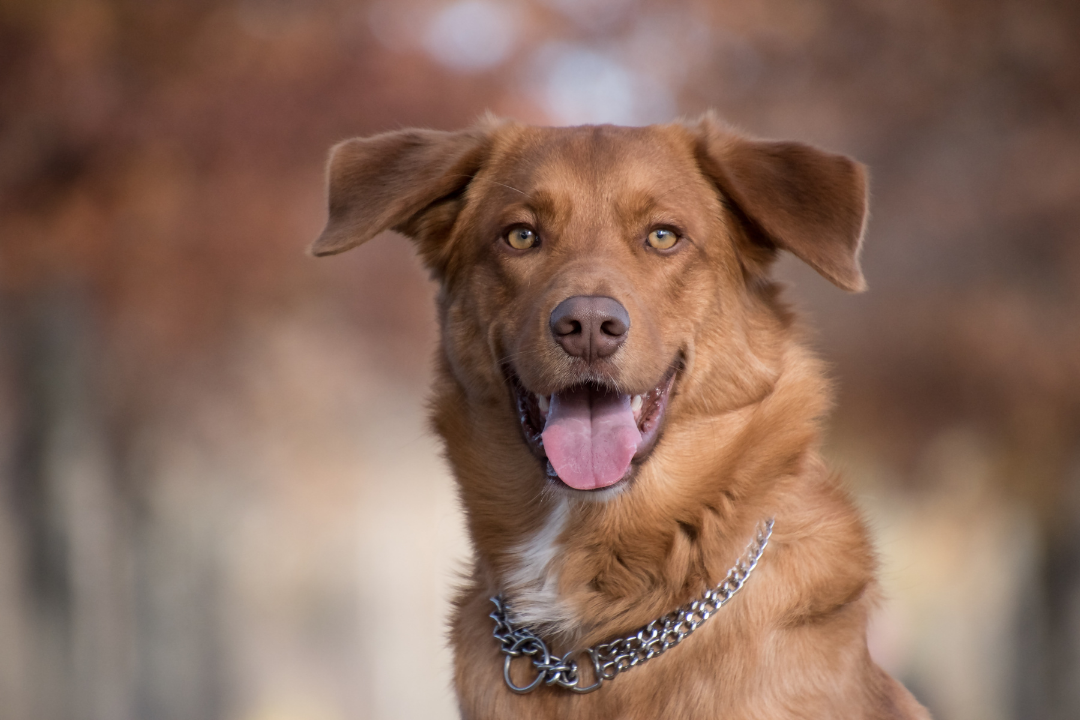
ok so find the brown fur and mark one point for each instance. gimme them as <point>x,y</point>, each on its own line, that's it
<point>739,442</point>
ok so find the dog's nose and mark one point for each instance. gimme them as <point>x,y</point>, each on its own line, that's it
<point>589,326</point>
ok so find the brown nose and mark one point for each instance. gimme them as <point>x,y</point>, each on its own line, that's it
<point>590,327</point>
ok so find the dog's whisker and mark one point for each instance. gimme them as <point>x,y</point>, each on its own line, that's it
<point>474,178</point>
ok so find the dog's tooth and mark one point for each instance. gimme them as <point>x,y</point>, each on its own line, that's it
<point>542,401</point>
<point>635,403</point>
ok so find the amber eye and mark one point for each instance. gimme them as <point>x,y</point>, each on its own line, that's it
<point>521,238</point>
<point>662,239</point>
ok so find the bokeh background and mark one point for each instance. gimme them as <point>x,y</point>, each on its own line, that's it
<point>218,498</point>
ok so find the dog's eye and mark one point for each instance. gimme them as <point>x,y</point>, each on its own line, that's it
<point>662,239</point>
<point>521,238</point>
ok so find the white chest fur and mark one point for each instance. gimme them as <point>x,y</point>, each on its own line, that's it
<point>532,584</point>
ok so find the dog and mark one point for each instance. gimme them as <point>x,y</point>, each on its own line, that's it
<point>631,416</point>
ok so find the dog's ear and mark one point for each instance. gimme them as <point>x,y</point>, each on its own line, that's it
<point>792,196</point>
<point>395,181</point>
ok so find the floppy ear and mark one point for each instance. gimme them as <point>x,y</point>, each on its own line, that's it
<point>794,196</point>
<point>393,181</point>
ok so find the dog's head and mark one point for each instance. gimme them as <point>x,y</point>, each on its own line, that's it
<point>590,274</point>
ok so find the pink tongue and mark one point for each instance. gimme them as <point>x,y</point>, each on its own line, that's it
<point>590,437</point>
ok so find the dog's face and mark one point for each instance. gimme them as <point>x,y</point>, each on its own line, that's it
<point>584,269</point>
<point>585,259</point>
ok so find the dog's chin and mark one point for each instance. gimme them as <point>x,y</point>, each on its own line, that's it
<point>649,413</point>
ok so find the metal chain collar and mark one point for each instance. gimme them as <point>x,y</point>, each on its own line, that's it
<point>610,659</point>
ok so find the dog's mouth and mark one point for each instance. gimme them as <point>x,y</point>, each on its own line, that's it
<point>590,435</point>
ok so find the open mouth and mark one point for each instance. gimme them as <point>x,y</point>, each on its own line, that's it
<point>589,435</point>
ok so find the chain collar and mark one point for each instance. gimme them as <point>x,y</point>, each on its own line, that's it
<point>611,658</point>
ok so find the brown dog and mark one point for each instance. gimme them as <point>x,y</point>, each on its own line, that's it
<point>628,412</point>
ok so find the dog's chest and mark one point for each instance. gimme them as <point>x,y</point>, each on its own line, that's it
<point>532,583</point>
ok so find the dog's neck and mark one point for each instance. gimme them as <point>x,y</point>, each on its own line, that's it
<point>592,569</point>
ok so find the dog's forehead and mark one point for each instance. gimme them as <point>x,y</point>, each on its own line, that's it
<point>605,163</point>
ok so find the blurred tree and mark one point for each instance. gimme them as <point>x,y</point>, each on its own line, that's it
<point>160,171</point>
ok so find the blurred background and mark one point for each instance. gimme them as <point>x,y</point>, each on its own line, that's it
<point>218,497</point>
